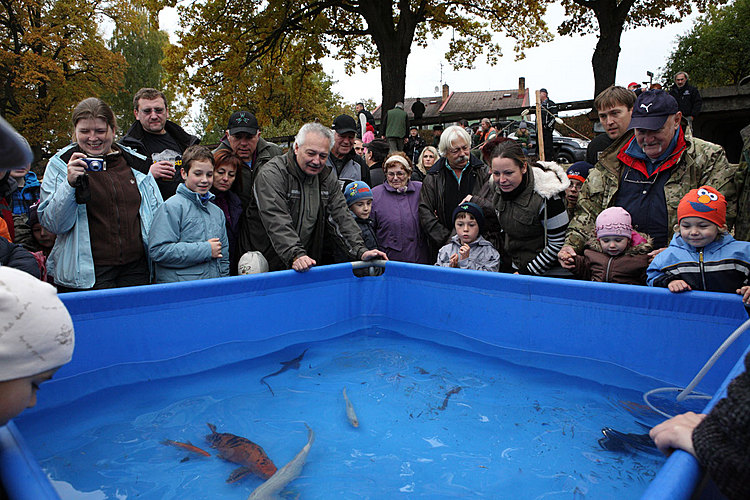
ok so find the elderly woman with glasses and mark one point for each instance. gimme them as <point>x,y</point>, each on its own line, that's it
<point>395,206</point>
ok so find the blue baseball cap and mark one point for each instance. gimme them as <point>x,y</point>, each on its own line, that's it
<point>651,110</point>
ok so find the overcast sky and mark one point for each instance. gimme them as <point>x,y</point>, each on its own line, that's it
<point>563,66</point>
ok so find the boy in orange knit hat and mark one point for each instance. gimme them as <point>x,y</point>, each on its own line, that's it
<point>702,254</point>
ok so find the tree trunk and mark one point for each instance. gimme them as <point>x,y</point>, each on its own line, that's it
<point>606,54</point>
<point>393,78</point>
<point>611,15</point>
<point>393,44</point>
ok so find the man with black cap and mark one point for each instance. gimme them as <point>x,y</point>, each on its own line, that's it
<point>549,114</point>
<point>243,137</point>
<point>347,164</point>
<point>157,138</point>
<point>647,171</point>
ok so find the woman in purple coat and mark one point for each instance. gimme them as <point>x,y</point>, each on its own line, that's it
<point>394,211</point>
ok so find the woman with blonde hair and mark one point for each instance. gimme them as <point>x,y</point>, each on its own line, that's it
<point>427,158</point>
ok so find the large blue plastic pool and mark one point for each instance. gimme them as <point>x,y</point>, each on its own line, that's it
<point>652,332</point>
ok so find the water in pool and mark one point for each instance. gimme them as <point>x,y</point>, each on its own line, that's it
<point>434,422</point>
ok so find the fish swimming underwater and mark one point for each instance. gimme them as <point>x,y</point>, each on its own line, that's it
<point>241,451</point>
<point>271,488</point>
<point>350,413</point>
<point>292,363</point>
<point>186,446</point>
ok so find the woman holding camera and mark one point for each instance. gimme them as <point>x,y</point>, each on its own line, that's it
<point>99,204</point>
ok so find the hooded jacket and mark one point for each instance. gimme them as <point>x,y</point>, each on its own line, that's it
<point>722,266</point>
<point>178,241</point>
<point>22,198</point>
<point>482,255</point>
<point>628,268</point>
<point>701,163</point>
<point>71,261</point>
<point>353,168</point>
<point>436,224</point>
<point>283,197</point>
<point>264,151</point>
<point>535,220</point>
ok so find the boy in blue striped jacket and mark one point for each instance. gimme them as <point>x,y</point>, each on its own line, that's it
<point>702,254</point>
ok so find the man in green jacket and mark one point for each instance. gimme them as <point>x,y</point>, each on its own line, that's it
<point>396,126</point>
<point>647,171</point>
<point>298,206</point>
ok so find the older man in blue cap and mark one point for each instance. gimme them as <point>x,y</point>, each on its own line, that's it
<point>647,171</point>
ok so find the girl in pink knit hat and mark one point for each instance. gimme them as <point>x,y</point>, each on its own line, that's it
<point>617,254</point>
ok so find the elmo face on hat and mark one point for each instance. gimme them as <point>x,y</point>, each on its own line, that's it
<point>706,203</point>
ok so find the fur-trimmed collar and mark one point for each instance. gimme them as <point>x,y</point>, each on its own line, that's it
<point>549,178</point>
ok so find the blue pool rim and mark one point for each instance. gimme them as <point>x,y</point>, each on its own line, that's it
<point>653,332</point>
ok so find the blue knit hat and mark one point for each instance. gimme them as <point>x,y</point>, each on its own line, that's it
<point>474,209</point>
<point>356,191</point>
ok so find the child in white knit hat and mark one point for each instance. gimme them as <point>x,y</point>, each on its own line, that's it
<point>36,338</point>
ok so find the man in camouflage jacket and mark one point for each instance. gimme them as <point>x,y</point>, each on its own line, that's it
<point>742,226</point>
<point>696,163</point>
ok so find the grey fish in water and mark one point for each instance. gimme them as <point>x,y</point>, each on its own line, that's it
<point>350,413</point>
<point>271,488</point>
<point>292,363</point>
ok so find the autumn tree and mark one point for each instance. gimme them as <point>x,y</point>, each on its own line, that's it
<point>611,17</point>
<point>363,34</point>
<point>51,57</point>
<point>284,87</point>
<point>143,47</point>
<point>716,51</point>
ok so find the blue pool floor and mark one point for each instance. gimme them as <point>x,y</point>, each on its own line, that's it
<point>435,422</point>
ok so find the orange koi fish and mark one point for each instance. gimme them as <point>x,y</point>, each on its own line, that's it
<point>241,451</point>
<point>186,446</point>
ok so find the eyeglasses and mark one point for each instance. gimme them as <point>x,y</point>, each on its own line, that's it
<point>400,173</point>
<point>462,149</point>
<point>158,111</point>
<point>646,184</point>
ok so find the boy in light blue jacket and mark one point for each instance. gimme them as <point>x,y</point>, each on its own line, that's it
<point>188,237</point>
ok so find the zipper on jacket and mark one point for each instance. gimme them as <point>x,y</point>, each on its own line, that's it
<point>606,274</point>
<point>703,274</point>
<point>117,213</point>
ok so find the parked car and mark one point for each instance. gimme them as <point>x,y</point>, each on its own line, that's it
<point>567,149</point>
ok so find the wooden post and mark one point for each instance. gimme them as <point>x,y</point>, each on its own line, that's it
<point>539,133</point>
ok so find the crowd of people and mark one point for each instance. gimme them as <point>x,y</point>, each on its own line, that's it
<point>157,206</point>
<point>659,207</point>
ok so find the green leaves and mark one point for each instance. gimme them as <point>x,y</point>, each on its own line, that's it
<point>716,51</point>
